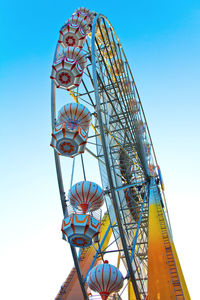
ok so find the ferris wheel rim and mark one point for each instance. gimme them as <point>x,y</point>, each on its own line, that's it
<point>57,159</point>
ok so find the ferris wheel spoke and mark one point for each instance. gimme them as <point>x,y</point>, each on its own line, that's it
<point>110,101</point>
<point>120,86</point>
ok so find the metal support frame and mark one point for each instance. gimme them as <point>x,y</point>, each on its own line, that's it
<point>98,251</point>
<point>115,205</point>
<point>139,222</point>
<point>121,132</point>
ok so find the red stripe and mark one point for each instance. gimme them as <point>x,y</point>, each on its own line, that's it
<point>63,131</point>
<point>61,115</point>
<point>63,63</point>
<point>73,66</point>
<point>80,75</point>
<point>106,290</point>
<point>88,192</point>
<point>76,110</point>
<point>71,110</point>
<point>102,278</point>
<point>82,38</point>
<point>96,199</point>
<point>94,193</point>
<point>79,201</point>
<point>83,192</point>
<point>81,112</point>
<point>53,136</point>
<point>72,224</point>
<point>65,111</point>
<point>87,225</point>
<point>112,287</point>
<point>86,121</point>
<point>100,289</point>
<point>75,135</point>
<point>85,116</point>
<point>77,193</point>
<point>94,283</point>
<point>73,52</point>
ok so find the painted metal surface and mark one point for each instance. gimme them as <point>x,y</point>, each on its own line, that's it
<point>105,279</point>
<point>85,14</point>
<point>80,229</point>
<point>86,195</point>
<point>67,140</point>
<point>75,114</point>
<point>68,68</point>
<point>165,278</point>
<point>69,136</point>
<point>74,33</point>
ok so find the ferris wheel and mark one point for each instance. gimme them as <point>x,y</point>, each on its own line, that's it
<point>101,117</point>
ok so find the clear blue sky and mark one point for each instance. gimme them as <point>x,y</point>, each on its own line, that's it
<point>162,44</point>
